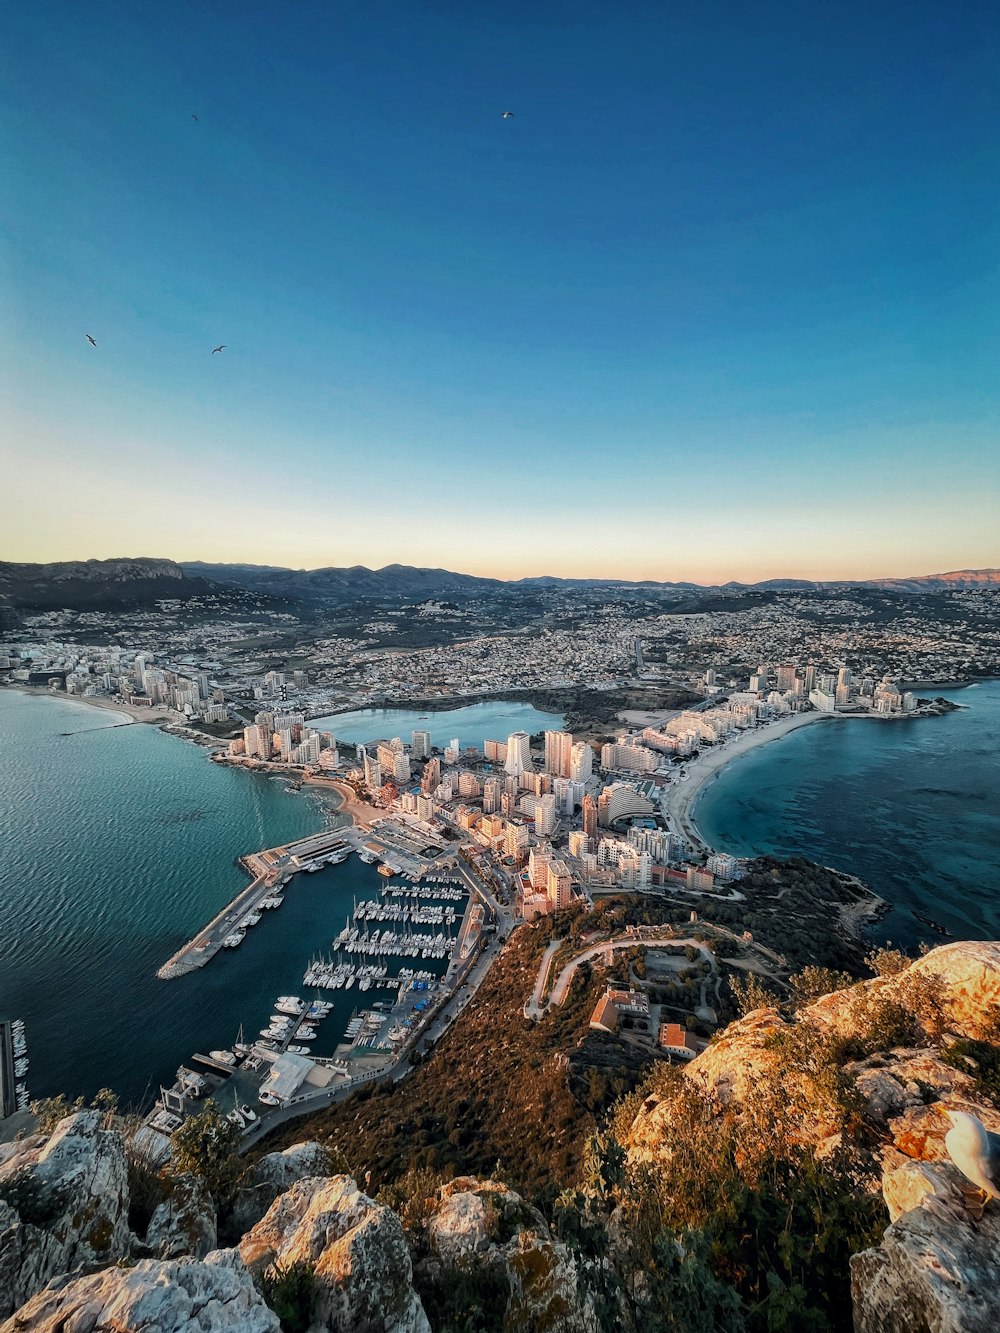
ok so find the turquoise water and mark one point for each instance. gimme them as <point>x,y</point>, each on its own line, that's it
<point>913,807</point>
<point>471,725</point>
<point>118,843</point>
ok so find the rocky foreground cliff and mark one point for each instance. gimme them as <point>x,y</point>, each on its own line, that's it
<point>793,1176</point>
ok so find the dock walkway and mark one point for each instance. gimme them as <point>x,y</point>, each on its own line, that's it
<point>270,867</point>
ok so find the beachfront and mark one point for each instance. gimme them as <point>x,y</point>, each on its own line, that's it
<point>707,766</point>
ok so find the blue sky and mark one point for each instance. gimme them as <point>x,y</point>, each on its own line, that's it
<point>720,300</point>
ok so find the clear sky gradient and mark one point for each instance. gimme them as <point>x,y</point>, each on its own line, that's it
<point>721,300</point>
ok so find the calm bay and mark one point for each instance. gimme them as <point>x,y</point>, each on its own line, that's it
<point>911,806</point>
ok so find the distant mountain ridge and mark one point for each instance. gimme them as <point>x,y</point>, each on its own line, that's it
<point>411,581</point>
<point>141,580</point>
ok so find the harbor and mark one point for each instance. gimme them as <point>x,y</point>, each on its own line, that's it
<point>260,1079</point>
<point>397,846</point>
<point>272,869</point>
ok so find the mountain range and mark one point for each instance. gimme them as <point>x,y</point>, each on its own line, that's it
<point>97,584</point>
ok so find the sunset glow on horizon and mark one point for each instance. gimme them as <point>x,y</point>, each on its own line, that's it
<point>719,302</point>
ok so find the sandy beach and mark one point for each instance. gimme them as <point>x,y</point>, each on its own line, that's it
<point>125,713</point>
<point>681,794</point>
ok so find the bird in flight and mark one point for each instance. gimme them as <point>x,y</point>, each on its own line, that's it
<point>92,341</point>
<point>221,348</point>
<point>507,115</point>
<point>193,116</point>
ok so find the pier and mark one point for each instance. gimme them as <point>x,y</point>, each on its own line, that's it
<point>271,869</point>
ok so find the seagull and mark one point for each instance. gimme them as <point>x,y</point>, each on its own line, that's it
<point>221,348</point>
<point>507,115</point>
<point>92,341</point>
<point>193,116</point>
<point>976,1153</point>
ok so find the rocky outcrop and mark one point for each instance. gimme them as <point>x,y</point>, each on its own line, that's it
<point>185,1222</point>
<point>271,1176</point>
<point>484,1222</point>
<point>937,1267</point>
<point>63,1205</point>
<point>729,1067</point>
<point>969,977</point>
<point>176,1296</point>
<point>356,1249</point>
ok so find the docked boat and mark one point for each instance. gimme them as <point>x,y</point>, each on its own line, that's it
<point>247,1112</point>
<point>297,1050</point>
<point>235,1118</point>
<point>291,1006</point>
<point>269,1099</point>
<point>234,940</point>
<point>386,871</point>
<point>223,1057</point>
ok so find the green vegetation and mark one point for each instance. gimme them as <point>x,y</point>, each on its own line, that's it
<point>207,1145</point>
<point>291,1291</point>
<point>469,1298</point>
<point>465,1108</point>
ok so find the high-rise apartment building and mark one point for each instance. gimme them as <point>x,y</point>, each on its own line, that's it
<point>518,753</point>
<point>559,886</point>
<point>590,817</point>
<point>558,751</point>
<point>546,816</point>
<point>492,792</point>
<point>421,744</point>
<point>786,677</point>
<point>581,762</point>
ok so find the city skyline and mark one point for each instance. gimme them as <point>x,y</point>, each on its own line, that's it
<point>717,302</point>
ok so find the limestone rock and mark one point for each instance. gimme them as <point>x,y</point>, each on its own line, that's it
<point>545,1288</point>
<point>67,1201</point>
<point>185,1222</point>
<point>969,973</point>
<point>728,1068</point>
<point>357,1250</point>
<point>484,1222</point>
<point>907,1185</point>
<point>468,1220</point>
<point>271,1176</point>
<point>176,1296</point>
<point>937,1267</point>
<point>906,1079</point>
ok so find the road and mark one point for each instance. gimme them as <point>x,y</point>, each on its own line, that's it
<point>565,978</point>
<point>534,1007</point>
<point>442,1020</point>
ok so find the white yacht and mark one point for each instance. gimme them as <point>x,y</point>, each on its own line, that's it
<point>223,1057</point>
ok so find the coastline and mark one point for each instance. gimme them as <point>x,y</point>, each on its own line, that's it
<point>706,767</point>
<point>157,716</point>
<point>124,712</point>
<point>682,795</point>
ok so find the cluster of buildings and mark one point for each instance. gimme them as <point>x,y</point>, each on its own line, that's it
<point>115,672</point>
<point>284,737</point>
<point>551,822</point>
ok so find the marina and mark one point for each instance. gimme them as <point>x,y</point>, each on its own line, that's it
<point>272,869</point>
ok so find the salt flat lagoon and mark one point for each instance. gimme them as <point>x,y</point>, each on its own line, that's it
<point>912,806</point>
